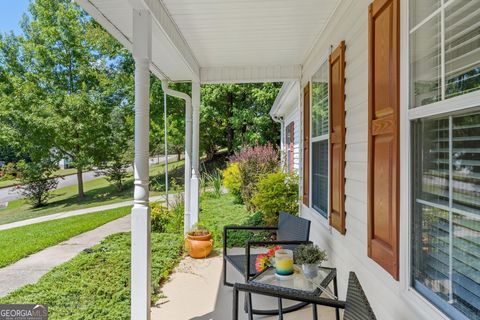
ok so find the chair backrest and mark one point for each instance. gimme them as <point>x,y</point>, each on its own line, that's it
<point>292,228</point>
<point>356,304</point>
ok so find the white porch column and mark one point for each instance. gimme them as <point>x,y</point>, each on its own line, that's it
<point>188,168</point>
<point>195,185</point>
<point>141,252</point>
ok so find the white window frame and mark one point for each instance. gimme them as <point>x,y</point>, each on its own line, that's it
<point>423,306</point>
<point>324,219</point>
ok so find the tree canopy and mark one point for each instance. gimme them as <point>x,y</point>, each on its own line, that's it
<point>67,92</point>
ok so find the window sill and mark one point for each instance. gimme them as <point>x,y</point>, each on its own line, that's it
<point>317,217</point>
<point>422,306</point>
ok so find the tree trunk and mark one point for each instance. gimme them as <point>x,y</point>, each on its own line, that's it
<point>81,194</point>
<point>179,155</point>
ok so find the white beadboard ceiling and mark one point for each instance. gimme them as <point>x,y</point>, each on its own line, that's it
<point>221,37</point>
<point>250,32</point>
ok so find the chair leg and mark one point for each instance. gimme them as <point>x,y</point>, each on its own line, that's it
<point>335,292</point>
<point>314,310</point>
<point>250,307</point>
<point>235,304</point>
<point>280,309</point>
<point>224,269</point>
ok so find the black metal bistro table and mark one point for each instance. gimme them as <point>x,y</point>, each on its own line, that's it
<point>298,287</point>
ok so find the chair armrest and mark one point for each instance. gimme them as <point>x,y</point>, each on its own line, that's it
<point>290,296</point>
<point>233,227</point>
<point>267,243</point>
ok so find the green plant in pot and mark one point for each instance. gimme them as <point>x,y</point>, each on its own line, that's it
<point>309,256</point>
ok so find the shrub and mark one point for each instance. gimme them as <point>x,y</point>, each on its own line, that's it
<point>115,172</point>
<point>254,162</point>
<point>9,171</point>
<point>159,217</point>
<point>276,192</point>
<point>214,180</point>
<point>238,238</point>
<point>167,220</point>
<point>37,181</point>
<point>232,181</point>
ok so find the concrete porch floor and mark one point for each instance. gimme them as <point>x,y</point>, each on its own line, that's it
<point>195,291</point>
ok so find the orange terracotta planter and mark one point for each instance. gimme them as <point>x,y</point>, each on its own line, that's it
<point>199,247</point>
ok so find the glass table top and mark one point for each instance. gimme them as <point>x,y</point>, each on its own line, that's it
<point>297,281</point>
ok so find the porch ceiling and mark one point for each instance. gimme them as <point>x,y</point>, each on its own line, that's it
<point>222,40</point>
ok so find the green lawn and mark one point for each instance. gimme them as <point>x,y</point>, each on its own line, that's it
<point>219,212</point>
<point>8,183</point>
<point>97,192</point>
<point>58,173</point>
<point>17,243</point>
<point>96,283</point>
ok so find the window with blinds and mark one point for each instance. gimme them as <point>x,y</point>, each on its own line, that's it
<point>445,63</point>
<point>446,226</point>
<point>319,140</point>
<point>444,49</point>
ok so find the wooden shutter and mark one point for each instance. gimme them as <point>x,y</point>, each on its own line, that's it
<point>337,138</point>
<point>383,134</point>
<point>306,145</point>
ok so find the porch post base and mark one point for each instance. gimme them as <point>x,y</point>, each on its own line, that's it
<point>141,267</point>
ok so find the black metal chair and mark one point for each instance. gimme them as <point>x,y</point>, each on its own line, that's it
<point>291,232</point>
<point>356,305</point>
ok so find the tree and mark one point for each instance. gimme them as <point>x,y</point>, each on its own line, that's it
<point>175,119</point>
<point>75,63</point>
<point>119,153</point>
<point>233,115</point>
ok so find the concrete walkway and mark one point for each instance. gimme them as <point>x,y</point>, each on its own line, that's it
<point>30,269</point>
<point>72,213</point>
<point>196,291</point>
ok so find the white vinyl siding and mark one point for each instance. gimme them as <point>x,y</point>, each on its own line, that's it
<point>349,252</point>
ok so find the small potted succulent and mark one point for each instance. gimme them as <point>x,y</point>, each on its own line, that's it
<point>199,242</point>
<point>309,256</point>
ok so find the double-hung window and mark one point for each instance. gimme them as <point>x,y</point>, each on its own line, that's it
<point>319,140</point>
<point>445,148</point>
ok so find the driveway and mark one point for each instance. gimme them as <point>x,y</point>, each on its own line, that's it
<point>13,193</point>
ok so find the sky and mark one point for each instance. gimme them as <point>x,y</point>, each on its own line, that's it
<point>11,12</point>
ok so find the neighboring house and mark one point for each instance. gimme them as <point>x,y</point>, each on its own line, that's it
<point>286,111</point>
<point>416,243</point>
<point>64,163</point>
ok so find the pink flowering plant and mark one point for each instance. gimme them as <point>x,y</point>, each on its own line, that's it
<point>254,162</point>
<point>265,260</point>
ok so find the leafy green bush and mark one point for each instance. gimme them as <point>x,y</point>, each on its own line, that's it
<point>9,171</point>
<point>37,181</point>
<point>232,181</point>
<point>238,238</point>
<point>167,220</point>
<point>159,217</point>
<point>276,192</point>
